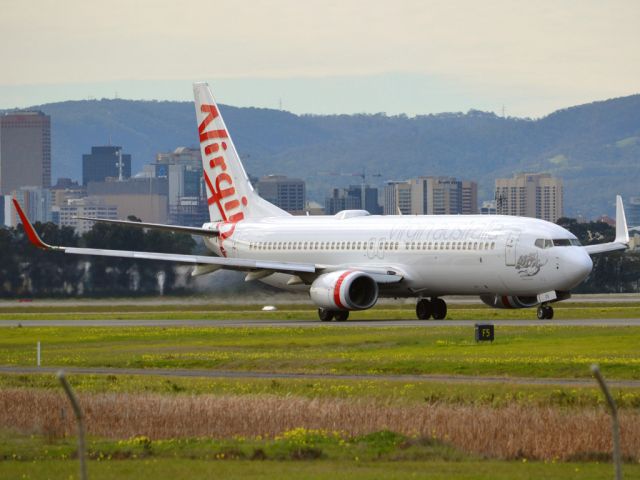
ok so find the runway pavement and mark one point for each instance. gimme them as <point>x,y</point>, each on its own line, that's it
<point>586,322</point>
<point>199,373</point>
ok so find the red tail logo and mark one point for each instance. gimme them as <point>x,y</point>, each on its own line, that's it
<point>222,191</point>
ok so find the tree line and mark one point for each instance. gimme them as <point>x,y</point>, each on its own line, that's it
<point>26,271</point>
<point>617,272</point>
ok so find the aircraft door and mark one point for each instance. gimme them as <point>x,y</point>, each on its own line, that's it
<point>510,249</point>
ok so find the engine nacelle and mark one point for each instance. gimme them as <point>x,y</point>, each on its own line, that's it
<point>344,290</point>
<point>508,301</point>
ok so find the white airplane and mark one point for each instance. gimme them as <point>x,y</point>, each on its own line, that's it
<point>349,260</point>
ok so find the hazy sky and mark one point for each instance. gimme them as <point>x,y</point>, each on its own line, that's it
<point>344,56</point>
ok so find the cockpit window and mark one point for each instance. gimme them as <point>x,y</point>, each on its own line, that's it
<point>566,242</point>
<point>544,243</point>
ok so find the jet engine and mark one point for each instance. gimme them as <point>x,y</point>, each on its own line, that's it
<point>508,301</point>
<point>344,290</point>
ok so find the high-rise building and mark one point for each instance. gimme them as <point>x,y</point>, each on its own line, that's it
<point>397,198</point>
<point>36,203</point>
<point>287,193</point>
<point>105,162</point>
<point>351,199</point>
<point>144,198</point>
<point>632,210</point>
<point>443,196</point>
<point>469,204</point>
<point>536,195</point>
<point>65,189</point>
<point>182,168</point>
<point>25,150</point>
<point>341,199</point>
<point>92,207</point>
<point>5,211</point>
<point>189,211</point>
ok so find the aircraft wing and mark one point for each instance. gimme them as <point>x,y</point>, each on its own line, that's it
<point>226,263</point>
<point>621,241</point>
<point>204,232</point>
<point>379,274</point>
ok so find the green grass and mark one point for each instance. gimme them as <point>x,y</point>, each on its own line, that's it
<point>298,453</point>
<point>299,312</point>
<point>385,392</point>
<point>542,351</point>
<point>188,469</point>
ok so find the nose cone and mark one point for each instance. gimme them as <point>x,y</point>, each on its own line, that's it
<point>576,266</point>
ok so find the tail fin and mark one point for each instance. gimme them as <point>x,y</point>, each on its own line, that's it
<point>229,192</point>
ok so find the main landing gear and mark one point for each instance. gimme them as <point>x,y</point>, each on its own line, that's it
<point>545,312</point>
<point>329,315</point>
<point>436,308</point>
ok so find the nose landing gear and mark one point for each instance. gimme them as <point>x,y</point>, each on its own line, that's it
<point>436,308</point>
<point>545,312</point>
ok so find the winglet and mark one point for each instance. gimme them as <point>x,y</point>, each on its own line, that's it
<point>622,232</point>
<point>29,230</point>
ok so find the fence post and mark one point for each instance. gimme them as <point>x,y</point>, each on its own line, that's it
<point>615,425</point>
<point>38,353</point>
<point>80,421</point>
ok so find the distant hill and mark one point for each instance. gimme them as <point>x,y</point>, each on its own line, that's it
<point>595,148</point>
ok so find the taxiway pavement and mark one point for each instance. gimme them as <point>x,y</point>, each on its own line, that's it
<point>200,373</point>
<point>585,322</point>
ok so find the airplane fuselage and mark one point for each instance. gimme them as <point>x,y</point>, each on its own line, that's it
<point>436,255</point>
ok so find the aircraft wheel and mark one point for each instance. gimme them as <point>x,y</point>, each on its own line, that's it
<point>341,316</point>
<point>325,315</point>
<point>424,309</point>
<point>439,309</point>
<point>545,312</point>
